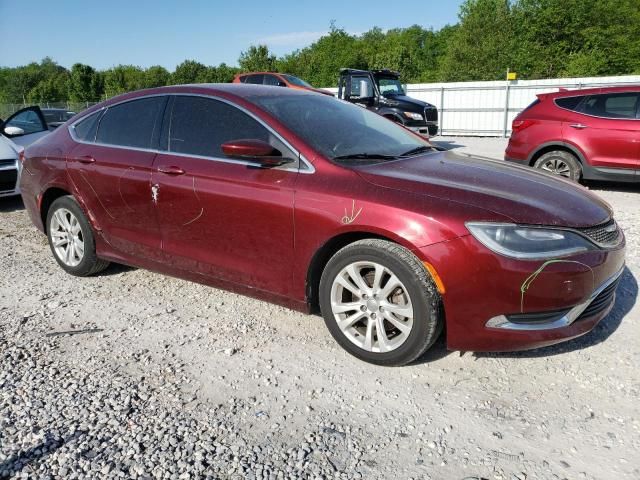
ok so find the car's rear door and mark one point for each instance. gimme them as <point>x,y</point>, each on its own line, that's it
<point>605,128</point>
<point>221,217</point>
<point>110,167</point>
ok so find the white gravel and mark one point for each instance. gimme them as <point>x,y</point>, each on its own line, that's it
<point>163,378</point>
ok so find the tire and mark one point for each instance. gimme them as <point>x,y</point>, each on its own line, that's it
<point>67,230</point>
<point>406,337</point>
<point>561,163</point>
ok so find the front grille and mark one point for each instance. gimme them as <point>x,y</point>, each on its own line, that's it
<point>7,163</point>
<point>431,114</point>
<point>605,234</point>
<point>601,302</point>
<point>8,180</point>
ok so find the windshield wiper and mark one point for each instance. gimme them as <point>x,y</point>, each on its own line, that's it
<point>365,156</point>
<point>417,150</point>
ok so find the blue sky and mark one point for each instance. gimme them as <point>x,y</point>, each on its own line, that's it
<point>104,33</point>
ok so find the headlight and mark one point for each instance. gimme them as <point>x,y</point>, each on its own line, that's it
<point>528,243</point>
<point>413,116</point>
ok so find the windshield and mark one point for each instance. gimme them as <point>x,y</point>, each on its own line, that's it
<point>297,81</point>
<point>389,86</point>
<point>340,130</point>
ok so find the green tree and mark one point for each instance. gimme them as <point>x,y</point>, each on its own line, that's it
<point>156,76</point>
<point>189,71</point>
<point>123,78</point>
<point>257,59</point>
<point>82,85</point>
<point>479,49</point>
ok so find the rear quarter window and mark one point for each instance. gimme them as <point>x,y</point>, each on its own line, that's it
<point>85,129</point>
<point>569,103</point>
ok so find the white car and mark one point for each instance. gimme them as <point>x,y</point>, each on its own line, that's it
<point>21,129</point>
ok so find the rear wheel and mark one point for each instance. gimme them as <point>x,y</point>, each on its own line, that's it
<point>379,302</point>
<point>71,238</point>
<point>561,163</point>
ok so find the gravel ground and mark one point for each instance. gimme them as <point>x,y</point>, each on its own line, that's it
<point>134,375</point>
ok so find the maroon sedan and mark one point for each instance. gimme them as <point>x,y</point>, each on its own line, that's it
<point>313,203</point>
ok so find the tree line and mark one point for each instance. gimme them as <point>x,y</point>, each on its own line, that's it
<point>535,38</point>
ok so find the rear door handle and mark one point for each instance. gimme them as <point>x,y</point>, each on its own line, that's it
<point>86,159</point>
<point>171,170</point>
<point>578,126</point>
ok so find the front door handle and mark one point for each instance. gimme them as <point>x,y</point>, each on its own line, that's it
<point>86,159</point>
<point>578,126</point>
<point>171,170</point>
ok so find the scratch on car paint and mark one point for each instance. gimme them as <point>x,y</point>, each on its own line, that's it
<point>531,278</point>
<point>154,193</point>
<point>347,219</point>
<point>201,208</point>
<point>84,177</point>
<point>120,188</point>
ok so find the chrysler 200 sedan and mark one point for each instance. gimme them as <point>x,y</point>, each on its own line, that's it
<point>319,205</point>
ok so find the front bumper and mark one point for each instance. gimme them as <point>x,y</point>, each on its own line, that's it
<point>9,179</point>
<point>601,300</point>
<point>490,306</point>
<point>428,130</point>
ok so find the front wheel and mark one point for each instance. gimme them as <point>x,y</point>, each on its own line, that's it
<point>379,302</point>
<point>71,238</point>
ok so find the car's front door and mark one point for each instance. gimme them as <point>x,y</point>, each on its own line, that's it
<point>606,129</point>
<point>218,216</point>
<point>25,126</point>
<point>110,167</point>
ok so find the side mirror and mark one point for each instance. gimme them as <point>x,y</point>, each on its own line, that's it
<point>254,150</point>
<point>13,131</point>
<point>365,89</point>
<point>281,84</point>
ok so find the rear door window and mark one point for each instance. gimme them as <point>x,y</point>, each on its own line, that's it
<point>612,105</point>
<point>272,80</point>
<point>131,124</point>
<point>255,79</point>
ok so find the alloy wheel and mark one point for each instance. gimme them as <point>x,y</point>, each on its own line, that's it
<point>557,167</point>
<point>67,237</point>
<point>371,306</point>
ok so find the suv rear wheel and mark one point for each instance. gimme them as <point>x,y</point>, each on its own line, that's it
<point>562,163</point>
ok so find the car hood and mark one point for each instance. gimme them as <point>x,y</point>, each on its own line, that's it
<point>524,195</point>
<point>401,100</point>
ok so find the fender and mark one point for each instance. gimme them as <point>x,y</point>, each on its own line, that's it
<point>559,143</point>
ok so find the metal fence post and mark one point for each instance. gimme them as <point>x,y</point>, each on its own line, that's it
<point>506,110</point>
<point>441,120</point>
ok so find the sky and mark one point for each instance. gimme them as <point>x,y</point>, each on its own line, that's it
<point>104,33</point>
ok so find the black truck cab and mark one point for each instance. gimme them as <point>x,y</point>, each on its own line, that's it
<point>382,92</point>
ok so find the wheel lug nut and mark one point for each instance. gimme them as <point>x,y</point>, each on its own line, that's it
<point>373,315</point>
<point>363,308</point>
<point>364,296</point>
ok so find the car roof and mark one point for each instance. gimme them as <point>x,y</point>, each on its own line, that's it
<point>237,90</point>
<point>260,73</point>
<point>595,91</point>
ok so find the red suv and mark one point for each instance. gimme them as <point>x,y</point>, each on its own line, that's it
<point>592,134</point>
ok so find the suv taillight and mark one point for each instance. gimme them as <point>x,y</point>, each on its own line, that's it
<point>519,125</point>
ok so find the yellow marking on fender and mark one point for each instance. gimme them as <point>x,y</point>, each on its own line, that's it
<point>436,278</point>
